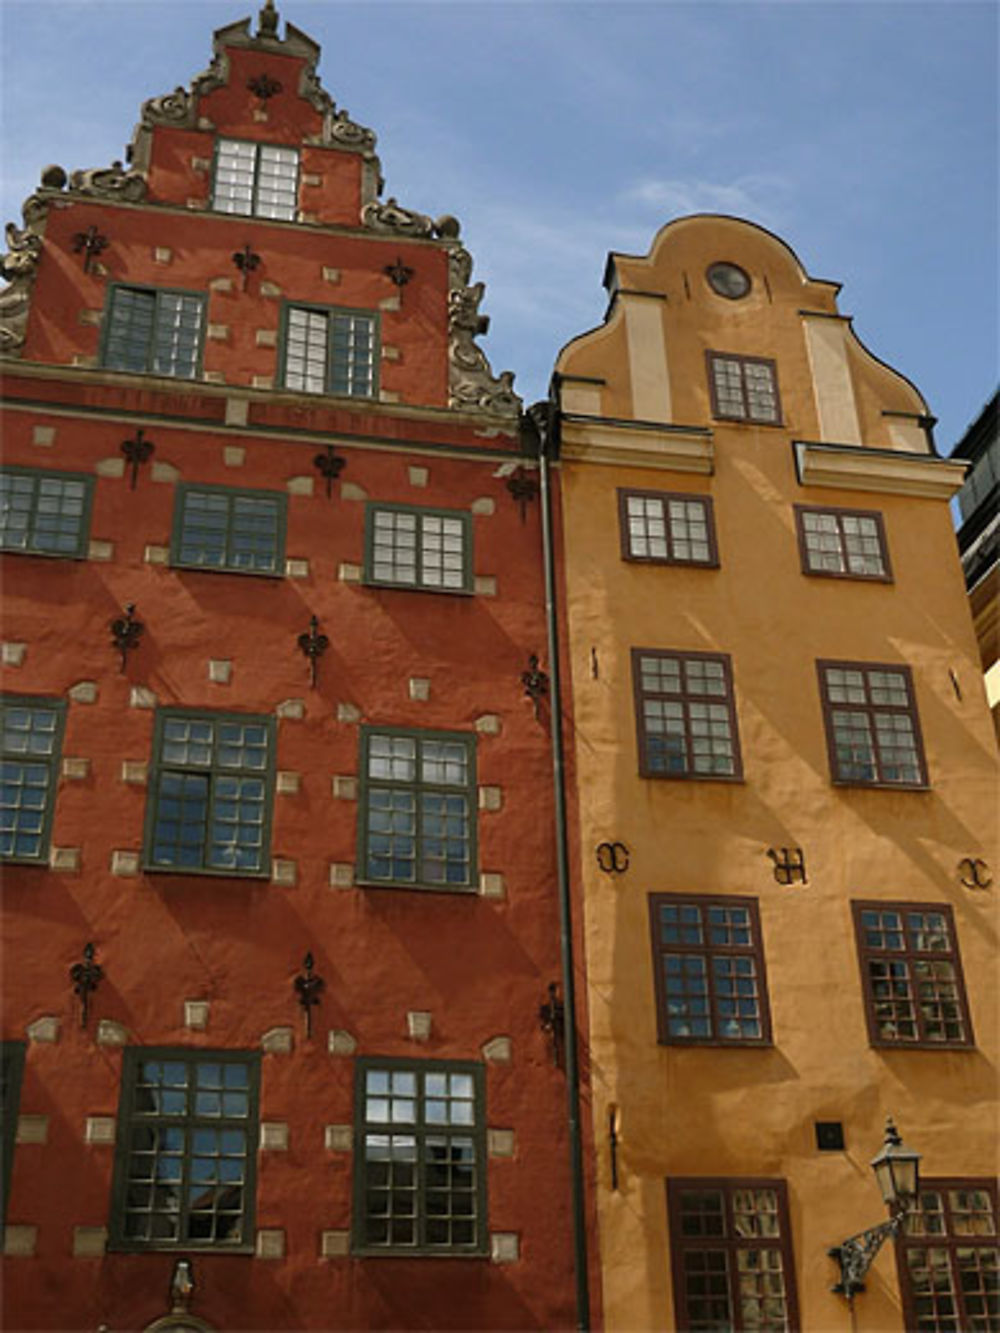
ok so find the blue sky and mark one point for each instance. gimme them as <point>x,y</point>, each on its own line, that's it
<point>865,134</point>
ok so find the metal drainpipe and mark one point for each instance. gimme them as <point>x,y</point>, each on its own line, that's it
<point>547,443</point>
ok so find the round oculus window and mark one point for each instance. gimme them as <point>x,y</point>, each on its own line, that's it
<point>728,280</point>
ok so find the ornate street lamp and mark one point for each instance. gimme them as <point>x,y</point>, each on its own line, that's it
<point>897,1170</point>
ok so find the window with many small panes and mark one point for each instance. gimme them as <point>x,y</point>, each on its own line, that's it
<point>44,513</point>
<point>709,974</point>
<point>685,714</point>
<point>731,1249</point>
<point>418,809</point>
<point>152,331</point>
<point>211,783</point>
<point>256,179</point>
<point>331,351</point>
<point>420,1180</point>
<point>661,528</point>
<point>418,548</point>
<point>912,974</point>
<point>219,528</point>
<point>872,728</point>
<point>843,543</point>
<point>744,388</point>
<point>31,737</point>
<point>186,1154</point>
<point>948,1258</point>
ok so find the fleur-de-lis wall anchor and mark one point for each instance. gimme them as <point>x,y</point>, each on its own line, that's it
<point>246,261</point>
<point>398,273</point>
<point>536,684</point>
<point>86,977</point>
<point>552,1018</point>
<point>314,645</point>
<point>91,242</point>
<point>137,451</point>
<point>329,465</point>
<point>126,632</point>
<point>263,86</point>
<point>308,987</point>
<point>523,488</point>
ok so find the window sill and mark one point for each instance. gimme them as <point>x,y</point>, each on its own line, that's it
<point>939,1046</point>
<point>731,779</point>
<point>852,578</point>
<point>186,1247</point>
<point>203,872</point>
<point>417,1252</point>
<point>748,421</point>
<point>41,862</point>
<point>417,587</point>
<point>848,784</point>
<point>275,575</point>
<point>469,890</point>
<point>715,1044</point>
<point>79,556</point>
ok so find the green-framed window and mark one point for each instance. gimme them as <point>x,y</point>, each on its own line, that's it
<point>216,527</point>
<point>45,513</point>
<point>211,791</point>
<point>410,547</point>
<point>330,351</point>
<point>185,1165</point>
<point>418,820</point>
<point>256,179</point>
<point>420,1158</point>
<point>11,1069</point>
<point>152,331</point>
<point>31,733</point>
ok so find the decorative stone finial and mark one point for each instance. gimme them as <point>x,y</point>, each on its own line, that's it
<point>267,20</point>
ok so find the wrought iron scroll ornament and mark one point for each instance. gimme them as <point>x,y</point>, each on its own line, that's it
<point>313,645</point>
<point>536,684</point>
<point>974,873</point>
<point>329,465</point>
<point>789,864</point>
<point>86,977</point>
<point>523,488</point>
<point>308,987</point>
<point>246,261</point>
<point>612,857</point>
<point>137,451</point>
<point>552,1018</point>
<point>91,242</point>
<point>126,632</point>
<point>857,1254</point>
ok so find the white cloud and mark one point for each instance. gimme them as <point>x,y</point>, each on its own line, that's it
<point>760,198</point>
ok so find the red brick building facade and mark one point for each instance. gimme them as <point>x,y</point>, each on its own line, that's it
<point>244,398</point>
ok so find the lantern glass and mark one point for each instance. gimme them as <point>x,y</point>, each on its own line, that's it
<point>897,1170</point>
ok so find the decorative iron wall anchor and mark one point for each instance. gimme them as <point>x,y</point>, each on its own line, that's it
<point>552,1017</point>
<point>536,684</point>
<point>974,873</point>
<point>789,864</point>
<point>314,645</point>
<point>263,86</point>
<point>523,488</point>
<point>86,977</point>
<point>308,987</point>
<point>613,1143</point>
<point>329,465</point>
<point>612,858</point>
<point>137,451</point>
<point>246,261</point>
<point>91,242</point>
<point>126,633</point>
<point>398,273</point>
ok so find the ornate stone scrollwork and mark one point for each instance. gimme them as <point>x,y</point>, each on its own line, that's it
<point>18,267</point>
<point>346,133</point>
<point>391,218</point>
<point>471,382</point>
<point>112,182</point>
<point>176,108</point>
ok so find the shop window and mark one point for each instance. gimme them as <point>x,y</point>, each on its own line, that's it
<point>31,731</point>
<point>912,975</point>
<point>152,331</point>
<point>45,513</point>
<point>686,715</point>
<point>331,351</point>
<point>948,1259</point>
<point>418,805</point>
<point>843,543</point>
<point>661,528</point>
<point>420,1169</point>
<point>708,964</point>
<point>408,547</point>
<point>187,1144</point>
<point>216,527</point>
<point>872,728</point>
<point>210,796</point>
<point>744,388</point>
<point>256,179</point>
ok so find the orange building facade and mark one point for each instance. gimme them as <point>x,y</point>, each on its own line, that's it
<point>785,786</point>
<point>278,903</point>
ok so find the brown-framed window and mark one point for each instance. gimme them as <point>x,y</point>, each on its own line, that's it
<point>872,729</point>
<point>667,528</point>
<point>731,1251</point>
<point>685,715</point>
<point>843,543</point>
<point>744,388</point>
<point>708,963</point>
<point>948,1260</point>
<point>912,974</point>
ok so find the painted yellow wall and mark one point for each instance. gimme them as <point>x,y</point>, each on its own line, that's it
<point>746,1113</point>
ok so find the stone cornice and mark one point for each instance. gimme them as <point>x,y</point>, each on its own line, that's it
<point>645,444</point>
<point>853,468</point>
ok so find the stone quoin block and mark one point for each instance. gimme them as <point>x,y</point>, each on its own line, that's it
<point>91,317</point>
<point>335,1244</point>
<point>500,1142</point>
<point>505,1248</point>
<point>341,875</point>
<point>497,1050</point>
<point>237,411</point>
<point>331,274</point>
<point>300,485</point>
<point>491,885</point>
<point>278,1041</point>
<point>65,859</point>
<point>420,689</point>
<point>339,1042</point>
<point>484,505</point>
<point>83,692</point>
<point>273,1136</point>
<point>270,1243</point>
<point>156,555</point>
<point>233,455</point>
<point>266,337</point>
<point>100,550</point>
<point>488,724</point>
<point>345,788</point>
<point>285,873</point>
<point>141,697</point>
<point>100,1130</point>
<point>32,1129</point>
<point>485,585</point>
<point>19,1241</point>
<point>44,436</point>
<point>490,798</point>
<point>75,769</point>
<point>418,1025</point>
<point>348,713</point>
<point>124,863</point>
<point>13,654</point>
<point>262,381</point>
<point>163,472</point>
<point>196,1014</point>
<point>296,569</point>
<point>43,1030</point>
<point>89,1242</point>
<point>348,573</point>
<point>419,476</point>
<point>220,285</point>
<point>350,490</point>
<point>338,1138</point>
<point>110,1033</point>
<point>287,783</point>
<point>293,710</point>
<point>220,670</point>
<point>270,289</point>
<point>162,254</point>
<point>110,467</point>
<point>135,772</point>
